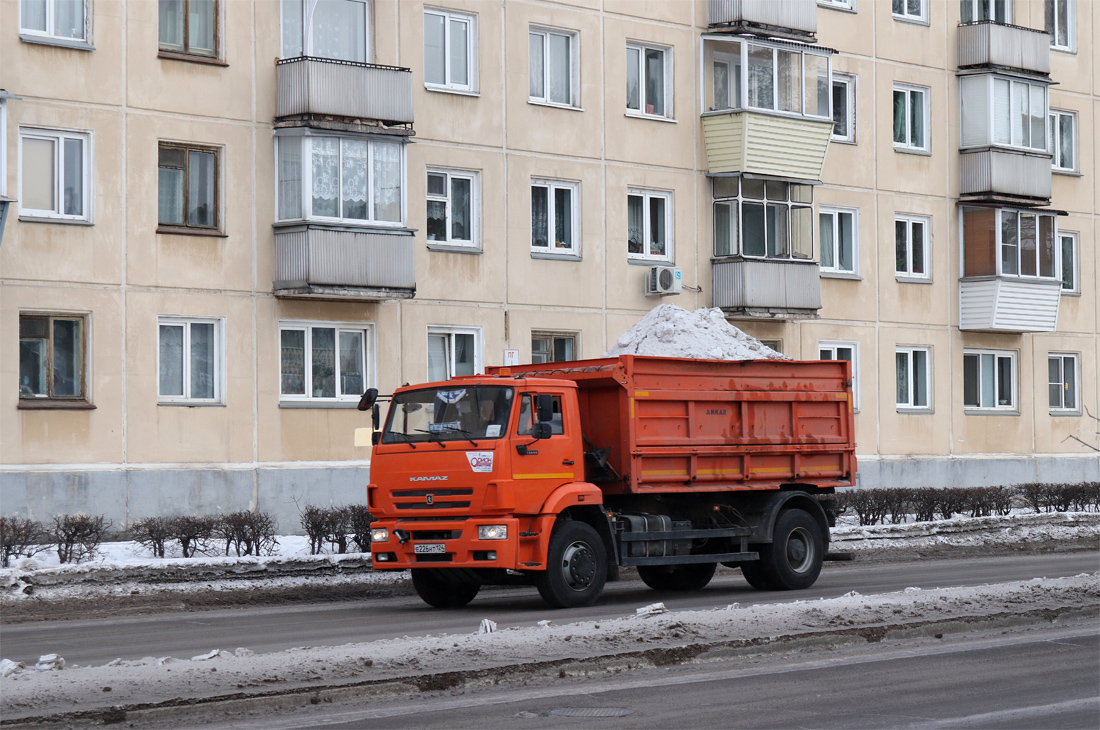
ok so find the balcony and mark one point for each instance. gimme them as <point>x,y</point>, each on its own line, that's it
<point>322,262</point>
<point>766,144</point>
<point>999,175</point>
<point>986,43</point>
<point>767,288</point>
<point>1009,304</point>
<point>797,16</point>
<point>324,89</point>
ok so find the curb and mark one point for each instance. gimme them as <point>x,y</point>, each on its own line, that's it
<point>699,653</point>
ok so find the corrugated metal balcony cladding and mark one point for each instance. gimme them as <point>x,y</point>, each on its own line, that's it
<point>767,284</point>
<point>993,44</point>
<point>344,89</point>
<point>793,14</point>
<point>1005,172</point>
<point>1009,304</point>
<point>766,144</point>
<point>329,257</point>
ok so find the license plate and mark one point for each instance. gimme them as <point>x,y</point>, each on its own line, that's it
<point>436,547</point>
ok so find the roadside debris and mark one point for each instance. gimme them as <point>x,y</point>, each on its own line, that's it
<point>487,627</point>
<point>48,662</point>
<point>652,609</point>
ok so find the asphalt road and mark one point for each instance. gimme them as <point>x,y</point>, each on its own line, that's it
<point>1040,677</point>
<point>188,634</point>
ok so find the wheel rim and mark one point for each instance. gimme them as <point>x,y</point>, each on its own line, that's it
<point>578,566</point>
<point>800,550</point>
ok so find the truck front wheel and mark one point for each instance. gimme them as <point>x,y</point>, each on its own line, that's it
<point>690,577</point>
<point>793,559</point>
<point>576,566</point>
<point>439,590</point>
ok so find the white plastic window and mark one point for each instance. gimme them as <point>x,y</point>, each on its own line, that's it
<point>552,66</point>
<point>1062,140</point>
<point>336,29</point>
<point>55,174</point>
<point>61,19</point>
<point>1061,23</point>
<point>190,360</point>
<point>911,10</point>
<point>989,380</point>
<point>649,225</point>
<point>453,351</point>
<point>913,371</point>
<point>911,246</point>
<point>554,217</point>
<point>910,118</point>
<point>843,350</point>
<point>649,80</point>
<point>324,361</point>
<point>450,50</point>
<point>839,239</point>
<point>1063,382</point>
<point>844,108</point>
<point>452,207</point>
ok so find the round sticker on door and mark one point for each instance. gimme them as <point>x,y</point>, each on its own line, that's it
<point>481,461</point>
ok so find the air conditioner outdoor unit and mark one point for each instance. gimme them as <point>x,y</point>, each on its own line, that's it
<point>663,280</point>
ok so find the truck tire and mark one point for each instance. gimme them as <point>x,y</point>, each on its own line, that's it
<point>576,566</point>
<point>441,591</point>
<point>754,574</point>
<point>690,577</point>
<point>793,559</point>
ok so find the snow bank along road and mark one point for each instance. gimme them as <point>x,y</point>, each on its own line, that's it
<point>612,637</point>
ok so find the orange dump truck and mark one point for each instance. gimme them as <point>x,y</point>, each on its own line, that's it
<point>558,474</point>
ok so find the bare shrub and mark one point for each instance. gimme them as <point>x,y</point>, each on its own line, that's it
<point>193,533</point>
<point>359,522</point>
<point>78,536</point>
<point>924,501</point>
<point>20,537</point>
<point>314,521</point>
<point>951,502</point>
<point>152,533</point>
<point>1001,499</point>
<point>1034,494</point>
<point>1060,497</point>
<point>247,533</point>
<point>869,505</point>
<point>898,503</point>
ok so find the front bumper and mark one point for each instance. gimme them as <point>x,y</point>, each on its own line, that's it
<point>461,546</point>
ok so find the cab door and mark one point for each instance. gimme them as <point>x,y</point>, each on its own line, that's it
<point>541,466</point>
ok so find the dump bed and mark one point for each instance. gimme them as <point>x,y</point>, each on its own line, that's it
<point>685,425</point>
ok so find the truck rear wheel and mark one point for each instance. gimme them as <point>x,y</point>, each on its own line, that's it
<point>576,566</point>
<point>793,559</point>
<point>754,574</point>
<point>440,590</point>
<point>690,577</point>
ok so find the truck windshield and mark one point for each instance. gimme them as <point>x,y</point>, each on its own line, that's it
<point>449,414</point>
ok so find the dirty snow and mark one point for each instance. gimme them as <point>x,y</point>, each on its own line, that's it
<point>1022,526</point>
<point>28,691</point>
<point>671,331</point>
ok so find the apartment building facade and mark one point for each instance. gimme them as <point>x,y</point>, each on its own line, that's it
<point>226,218</point>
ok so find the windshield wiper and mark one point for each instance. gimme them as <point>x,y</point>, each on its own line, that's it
<point>438,438</point>
<point>465,433</point>
<point>405,436</point>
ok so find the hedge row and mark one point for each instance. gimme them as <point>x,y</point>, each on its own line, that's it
<point>924,504</point>
<point>338,527</point>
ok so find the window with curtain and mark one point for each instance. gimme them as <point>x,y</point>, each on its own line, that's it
<point>52,356</point>
<point>189,26</point>
<point>989,380</point>
<point>910,118</point>
<point>65,20</point>
<point>911,246</point>
<point>910,10</point>
<point>1062,373</point>
<point>844,108</point>
<point>1062,140</point>
<point>913,377</point>
<point>322,361</point>
<point>1068,248</point>
<point>649,80</point>
<point>843,350</point>
<point>554,218</point>
<point>552,66</point>
<point>452,207</point>
<point>336,29</point>
<point>649,225</point>
<point>449,50</point>
<point>56,174</point>
<point>357,180</point>
<point>187,186</point>
<point>787,78</point>
<point>453,351</point>
<point>838,239</point>
<point>1060,18</point>
<point>972,11</point>
<point>190,363</point>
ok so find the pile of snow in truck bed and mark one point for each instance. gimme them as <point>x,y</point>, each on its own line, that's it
<point>671,331</point>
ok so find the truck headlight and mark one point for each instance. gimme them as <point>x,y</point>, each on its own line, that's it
<point>379,534</point>
<point>492,532</point>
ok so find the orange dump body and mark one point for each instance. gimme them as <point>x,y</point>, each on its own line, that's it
<point>681,425</point>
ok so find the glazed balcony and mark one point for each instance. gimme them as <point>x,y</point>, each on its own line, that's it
<point>799,16</point>
<point>322,88</point>
<point>986,43</point>
<point>767,288</point>
<point>332,262</point>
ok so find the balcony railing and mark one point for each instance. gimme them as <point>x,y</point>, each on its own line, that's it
<point>1009,304</point>
<point>345,89</point>
<point>796,15</point>
<point>318,262</point>
<point>767,288</point>
<point>998,173</point>
<point>986,43</point>
<point>766,144</point>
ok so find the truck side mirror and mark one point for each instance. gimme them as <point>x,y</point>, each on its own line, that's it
<point>368,399</point>
<point>540,431</point>
<point>544,404</point>
<point>375,417</point>
<point>375,438</point>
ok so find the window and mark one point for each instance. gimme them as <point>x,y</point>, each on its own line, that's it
<point>914,377</point>
<point>1063,371</point>
<point>1003,111</point>
<point>61,19</point>
<point>452,207</point>
<point>1068,245</point>
<point>849,351</point>
<point>910,118</point>
<point>839,4</point>
<point>453,351</point>
<point>552,66</point>
<point>552,347</point>
<point>989,379</point>
<point>649,225</point>
<point>649,80</point>
<point>554,217</point>
<point>189,26</point>
<point>356,180</point>
<point>911,246</point>
<point>1061,23</point>
<point>450,47</point>
<point>528,407</point>
<point>776,345</point>
<point>839,228</point>
<point>336,29</point>
<point>3,145</point>
<point>972,11</point>
<point>1062,140</point>
<point>844,108</point>
<point>56,178</point>
<point>324,361</point>
<point>52,356</point>
<point>190,360</point>
<point>911,10</point>
<point>188,187</point>
<point>1006,242</point>
<point>790,78</point>
<point>762,218</point>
